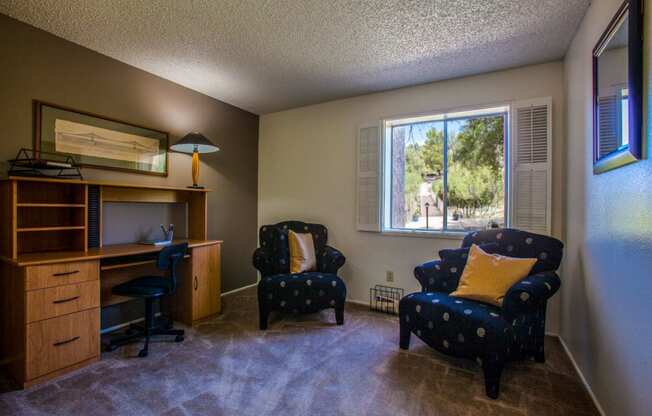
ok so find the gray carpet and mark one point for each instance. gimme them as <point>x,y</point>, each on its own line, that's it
<point>303,365</point>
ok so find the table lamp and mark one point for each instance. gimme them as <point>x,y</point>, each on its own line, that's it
<point>194,143</point>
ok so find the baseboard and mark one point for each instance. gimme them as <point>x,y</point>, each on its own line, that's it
<point>238,289</point>
<point>358,302</point>
<point>579,372</point>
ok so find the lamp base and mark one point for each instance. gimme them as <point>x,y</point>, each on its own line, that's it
<point>195,187</point>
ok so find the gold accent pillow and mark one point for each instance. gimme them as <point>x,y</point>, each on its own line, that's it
<point>302,252</point>
<point>488,277</point>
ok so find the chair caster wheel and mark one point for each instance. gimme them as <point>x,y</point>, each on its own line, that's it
<point>179,338</point>
<point>142,353</point>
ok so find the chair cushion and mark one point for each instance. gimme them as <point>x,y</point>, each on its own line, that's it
<point>303,292</point>
<point>456,326</point>
<point>488,277</point>
<point>146,286</point>
<point>302,252</point>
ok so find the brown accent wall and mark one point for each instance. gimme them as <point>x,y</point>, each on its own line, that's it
<point>37,65</point>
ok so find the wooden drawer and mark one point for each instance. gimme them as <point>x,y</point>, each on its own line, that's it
<point>60,342</point>
<point>62,300</point>
<point>58,274</point>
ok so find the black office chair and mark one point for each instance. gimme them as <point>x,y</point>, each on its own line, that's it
<point>151,288</point>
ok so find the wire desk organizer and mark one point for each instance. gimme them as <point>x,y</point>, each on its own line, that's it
<point>385,299</point>
<point>30,162</point>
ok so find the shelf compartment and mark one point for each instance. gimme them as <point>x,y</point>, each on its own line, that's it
<point>46,217</point>
<point>51,239</point>
<point>32,192</point>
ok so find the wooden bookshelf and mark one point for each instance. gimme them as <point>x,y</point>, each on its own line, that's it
<point>42,216</point>
<point>52,215</point>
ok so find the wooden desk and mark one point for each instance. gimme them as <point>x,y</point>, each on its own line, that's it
<point>53,285</point>
<point>50,302</point>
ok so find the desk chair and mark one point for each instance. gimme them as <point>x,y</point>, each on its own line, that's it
<point>151,288</point>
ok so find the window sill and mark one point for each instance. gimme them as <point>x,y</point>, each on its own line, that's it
<point>447,235</point>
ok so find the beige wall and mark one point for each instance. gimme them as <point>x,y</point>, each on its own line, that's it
<point>307,166</point>
<point>37,65</point>
<point>607,290</point>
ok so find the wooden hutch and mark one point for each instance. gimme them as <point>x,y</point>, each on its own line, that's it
<point>55,273</point>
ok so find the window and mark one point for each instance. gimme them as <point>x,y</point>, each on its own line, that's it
<point>456,172</point>
<point>446,172</point>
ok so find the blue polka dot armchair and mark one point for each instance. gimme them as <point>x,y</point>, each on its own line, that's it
<point>488,334</point>
<point>308,292</point>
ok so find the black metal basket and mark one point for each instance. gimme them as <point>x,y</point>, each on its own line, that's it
<point>29,162</point>
<point>385,299</point>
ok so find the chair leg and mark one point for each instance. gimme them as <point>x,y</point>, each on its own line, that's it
<point>339,315</point>
<point>404,339</point>
<point>539,355</point>
<point>540,337</point>
<point>492,372</point>
<point>149,318</point>
<point>263,314</point>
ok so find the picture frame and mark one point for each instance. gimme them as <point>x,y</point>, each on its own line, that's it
<point>100,142</point>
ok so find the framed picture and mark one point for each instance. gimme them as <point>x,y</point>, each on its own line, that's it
<point>100,142</point>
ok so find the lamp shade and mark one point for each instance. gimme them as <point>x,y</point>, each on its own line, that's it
<point>192,142</point>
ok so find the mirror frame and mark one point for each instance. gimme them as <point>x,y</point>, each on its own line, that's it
<point>635,148</point>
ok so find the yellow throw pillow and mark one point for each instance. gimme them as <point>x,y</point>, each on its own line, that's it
<point>302,252</point>
<point>488,277</point>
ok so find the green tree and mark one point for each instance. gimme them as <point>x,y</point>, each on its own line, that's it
<point>481,143</point>
<point>475,170</point>
<point>473,190</point>
<point>433,151</point>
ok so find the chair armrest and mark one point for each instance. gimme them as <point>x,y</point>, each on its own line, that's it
<point>531,293</point>
<point>434,277</point>
<point>330,260</point>
<point>262,261</point>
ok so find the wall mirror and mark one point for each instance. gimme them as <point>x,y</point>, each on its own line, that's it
<point>618,90</point>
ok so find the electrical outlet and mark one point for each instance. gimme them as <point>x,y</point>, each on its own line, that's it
<point>390,276</point>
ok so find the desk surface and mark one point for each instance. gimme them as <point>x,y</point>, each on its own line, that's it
<point>114,250</point>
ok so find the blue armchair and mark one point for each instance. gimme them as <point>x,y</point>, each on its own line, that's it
<point>486,333</point>
<point>308,292</point>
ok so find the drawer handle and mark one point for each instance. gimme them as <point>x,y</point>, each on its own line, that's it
<point>196,283</point>
<point>66,273</point>
<point>68,341</point>
<point>65,300</point>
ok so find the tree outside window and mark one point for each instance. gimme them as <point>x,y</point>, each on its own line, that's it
<point>448,174</point>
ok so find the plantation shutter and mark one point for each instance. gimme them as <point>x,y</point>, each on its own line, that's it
<point>608,124</point>
<point>368,181</point>
<point>530,200</point>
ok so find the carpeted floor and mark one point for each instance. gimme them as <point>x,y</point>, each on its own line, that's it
<point>303,365</point>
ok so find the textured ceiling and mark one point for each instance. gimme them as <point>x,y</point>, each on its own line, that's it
<point>270,55</point>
